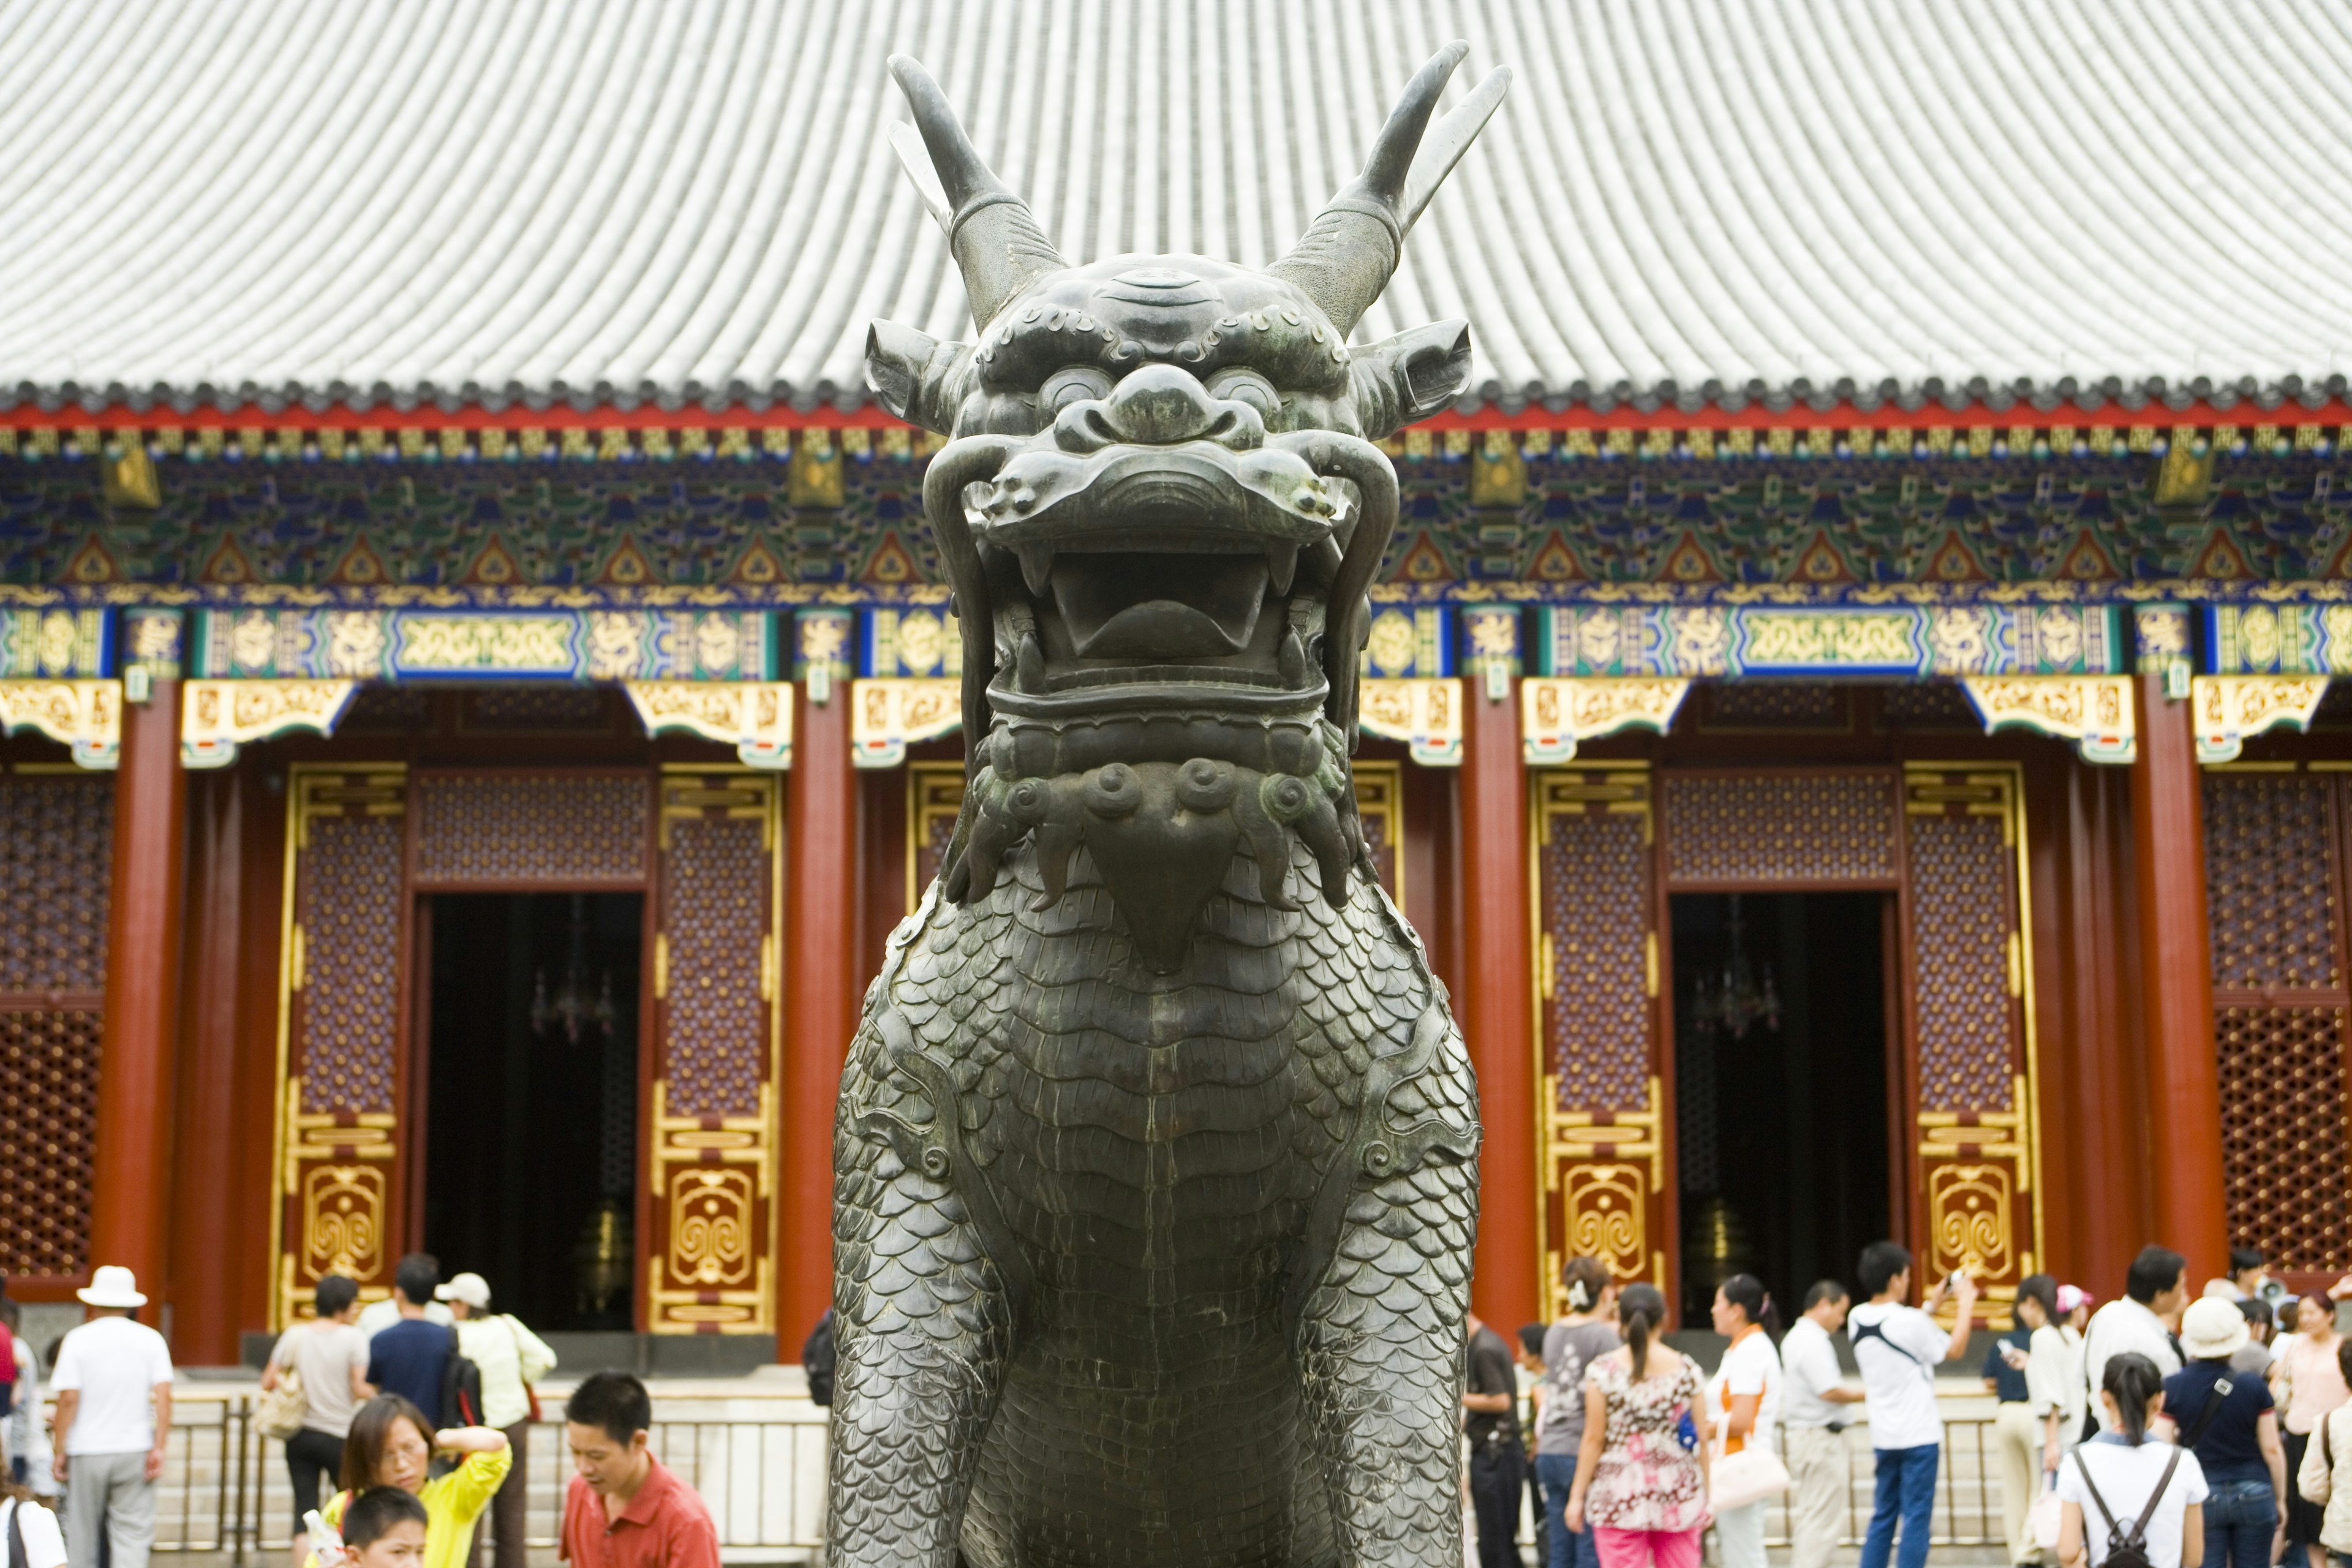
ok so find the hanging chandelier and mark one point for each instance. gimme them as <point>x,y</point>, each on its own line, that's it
<point>571,1005</point>
<point>1732,1001</point>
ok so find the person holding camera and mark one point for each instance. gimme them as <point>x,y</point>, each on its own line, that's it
<point>1898,1348</point>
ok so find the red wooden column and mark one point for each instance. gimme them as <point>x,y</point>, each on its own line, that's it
<point>821,987</point>
<point>132,1161</point>
<point>1495,1006</point>
<point>2184,1097</point>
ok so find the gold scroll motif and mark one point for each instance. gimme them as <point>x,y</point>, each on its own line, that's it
<point>887,714</point>
<point>2227,708</point>
<point>754,716</point>
<point>713,1180</point>
<point>2097,712</point>
<point>1555,713</point>
<point>216,717</point>
<point>86,715</point>
<point>1608,1174</point>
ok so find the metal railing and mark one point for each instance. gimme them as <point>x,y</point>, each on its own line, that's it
<point>758,1460</point>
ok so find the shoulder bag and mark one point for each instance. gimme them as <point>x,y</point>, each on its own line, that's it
<point>1753,1474</point>
<point>17,1557</point>
<point>529,1392</point>
<point>2128,1550</point>
<point>284,1408</point>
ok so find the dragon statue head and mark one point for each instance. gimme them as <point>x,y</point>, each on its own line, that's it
<point>1160,508</point>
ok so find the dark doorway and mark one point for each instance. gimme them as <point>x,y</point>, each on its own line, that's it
<point>1780,1088</point>
<point>531,1138</point>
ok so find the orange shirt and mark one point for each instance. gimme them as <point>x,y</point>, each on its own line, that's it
<point>664,1526</point>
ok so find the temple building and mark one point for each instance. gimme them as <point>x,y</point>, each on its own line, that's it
<point>1848,706</point>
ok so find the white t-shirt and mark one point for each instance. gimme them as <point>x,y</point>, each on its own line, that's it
<point>2125,1477</point>
<point>2123,1324</point>
<point>114,1364</point>
<point>1811,1364</point>
<point>1898,1372</point>
<point>1750,1366</point>
<point>44,1543</point>
<point>378,1316</point>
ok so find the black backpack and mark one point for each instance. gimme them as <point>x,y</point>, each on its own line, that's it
<point>818,1357</point>
<point>461,1388</point>
<point>2129,1551</point>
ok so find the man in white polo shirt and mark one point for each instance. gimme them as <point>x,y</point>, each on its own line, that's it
<point>1898,1346</point>
<point>113,1384</point>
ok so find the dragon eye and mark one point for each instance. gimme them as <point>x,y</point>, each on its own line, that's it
<point>1072,383</point>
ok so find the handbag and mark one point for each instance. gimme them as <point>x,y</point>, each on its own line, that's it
<point>283,1408</point>
<point>2047,1517</point>
<point>1749,1475</point>
<point>529,1392</point>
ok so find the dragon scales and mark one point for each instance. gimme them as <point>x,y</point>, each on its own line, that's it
<point>1156,1160</point>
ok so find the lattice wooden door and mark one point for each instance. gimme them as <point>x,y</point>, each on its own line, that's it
<point>341,1203</point>
<point>1969,1014</point>
<point>2275,886</point>
<point>709,1210</point>
<point>1603,1141</point>
<point>57,852</point>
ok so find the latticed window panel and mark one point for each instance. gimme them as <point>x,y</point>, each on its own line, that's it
<point>1959,881</point>
<point>350,995</point>
<point>716,894</point>
<point>2282,1132</point>
<point>49,1113</point>
<point>1775,705</point>
<point>1596,910</point>
<point>1779,827</point>
<point>483,829</point>
<point>1926,705</point>
<point>2271,882</point>
<point>56,855</point>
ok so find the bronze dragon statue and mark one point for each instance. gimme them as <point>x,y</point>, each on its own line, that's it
<point>1156,1161</point>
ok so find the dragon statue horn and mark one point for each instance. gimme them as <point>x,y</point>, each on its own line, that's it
<point>1351,249</point>
<point>996,241</point>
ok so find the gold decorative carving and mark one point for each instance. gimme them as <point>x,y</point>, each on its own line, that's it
<point>714,1178</point>
<point>2226,709</point>
<point>1603,1206</point>
<point>1425,713</point>
<point>2097,712</point>
<point>216,717</point>
<point>1969,1221</point>
<point>87,715</point>
<point>1558,711</point>
<point>1608,1170</point>
<point>481,644</point>
<point>754,716</point>
<point>887,713</point>
<point>336,1176</point>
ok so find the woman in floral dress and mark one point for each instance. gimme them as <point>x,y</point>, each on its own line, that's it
<point>1641,1478</point>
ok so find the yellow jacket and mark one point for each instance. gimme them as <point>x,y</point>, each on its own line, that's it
<point>452,1503</point>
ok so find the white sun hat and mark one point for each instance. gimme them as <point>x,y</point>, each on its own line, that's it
<point>470,1287</point>
<point>2212,1328</point>
<point>112,1285</point>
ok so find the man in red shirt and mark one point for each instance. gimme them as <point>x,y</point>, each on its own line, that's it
<point>624,1510</point>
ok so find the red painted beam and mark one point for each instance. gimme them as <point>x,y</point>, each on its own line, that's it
<point>1843,416</point>
<point>820,996</point>
<point>131,1161</point>
<point>1496,1008</point>
<point>2184,1093</point>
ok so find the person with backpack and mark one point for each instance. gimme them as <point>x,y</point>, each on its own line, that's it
<point>2125,1502</point>
<point>326,1358</point>
<point>1898,1347</point>
<point>30,1534</point>
<point>2229,1422</point>
<point>411,1357</point>
<point>510,1358</point>
<point>2324,1479</point>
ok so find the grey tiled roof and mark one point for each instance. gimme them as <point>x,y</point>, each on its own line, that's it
<point>623,201</point>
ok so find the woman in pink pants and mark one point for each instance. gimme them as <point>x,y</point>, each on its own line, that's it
<point>1641,1478</point>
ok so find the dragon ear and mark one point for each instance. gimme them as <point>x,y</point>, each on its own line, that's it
<point>1410,376</point>
<point>915,376</point>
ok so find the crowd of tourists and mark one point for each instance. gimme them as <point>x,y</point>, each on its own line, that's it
<point>2160,1429</point>
<point>405,1427</point>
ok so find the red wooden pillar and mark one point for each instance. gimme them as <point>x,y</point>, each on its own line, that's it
<point>821,994</point>
<point>2184,1097</point>
<point>131,1161</point>
<point>1495,1006</point>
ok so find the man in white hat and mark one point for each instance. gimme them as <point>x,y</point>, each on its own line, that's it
<point>113,1383</point>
